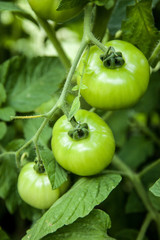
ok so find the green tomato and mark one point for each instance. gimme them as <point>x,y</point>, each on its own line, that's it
<point>87,156</point>
<point>35,188</point>
<point>46,9</point>
<point>114,88</point>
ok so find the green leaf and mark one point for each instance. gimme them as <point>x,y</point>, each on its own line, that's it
<point>9,6</point>
<point>155,189</point>
<point>15,144</point>
<point>6,113</point>
<point>134,204</point>
<point>2,94</point>
<point>83,86</point>
<point>74,108</point>
<point>8,181</point>
<point>128,234</point>
<point>78,202</point>
<point>30,82</point>
<point>68,4</point>
<point>154,200</point>
<point>12,7</point>
<point>3,129</point>
<point>136,151</point>
<point>118,122</point>
<point>138,28</point>
<point>30,128</point>
<point>28,212</point>
<point>118,15</point>
<point>154,2</point>
<point>92,227</point>
<point>3,235</point>
<point>13,199</point>
<point>10,134</point>
<point>56,174</point>
<point>76,88</point>
<point>150,101</point>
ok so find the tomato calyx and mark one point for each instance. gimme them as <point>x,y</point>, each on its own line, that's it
<point>79,131</point>
<point>39,167</point>
<point>112,59</point>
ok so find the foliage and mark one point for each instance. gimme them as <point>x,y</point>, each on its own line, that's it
<point>38,72</point>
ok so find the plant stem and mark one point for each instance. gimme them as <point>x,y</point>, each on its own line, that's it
<point>2,149</point>
<point>155,56</point>
<point>26,117</point>
<point>144,227</point>
<point>88,21</point>
<point>139,188</point>
<point>70,75</point>
<point>107,115</point>
<point>83,71</point>
<point>84,44</point>
<point>93,109</point>
<point>149,167</point>
<point>88,26</point>
<point>115,172</point>
<point>95,41</point>
<point>52,36</point>
<point>35,138</point>
<point>149,133</point>
<point>44,123</point>
<point>17,153</point>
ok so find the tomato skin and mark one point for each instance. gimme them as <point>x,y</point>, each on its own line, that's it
<point>115,88</point>
<point>35,188</point>
<point>87,156</point>
<point>46,9</point>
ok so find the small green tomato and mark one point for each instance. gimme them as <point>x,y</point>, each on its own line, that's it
<point>35,188</point>
<point>86,156</point>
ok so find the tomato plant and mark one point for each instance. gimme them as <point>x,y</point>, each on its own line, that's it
<point>78,111</point>
<point>47,9</point>
<point>86,156</point>
<point>119,87</point>
<point>35,188</point>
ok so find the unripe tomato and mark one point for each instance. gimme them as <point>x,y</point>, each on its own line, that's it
<point>115,88</point>
<point>35,188</point>
<point>86,156</point>
<point>46,9</point>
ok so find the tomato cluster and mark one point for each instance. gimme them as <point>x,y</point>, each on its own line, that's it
<point>117,79</point>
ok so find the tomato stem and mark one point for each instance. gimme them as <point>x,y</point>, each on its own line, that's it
<point>39,167</point>
<point>53,38</point>
<point>74,122</point>
<point>27,117</point>
<point>80,130</point>
<point>144,227</point>
<point>112,59</point>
